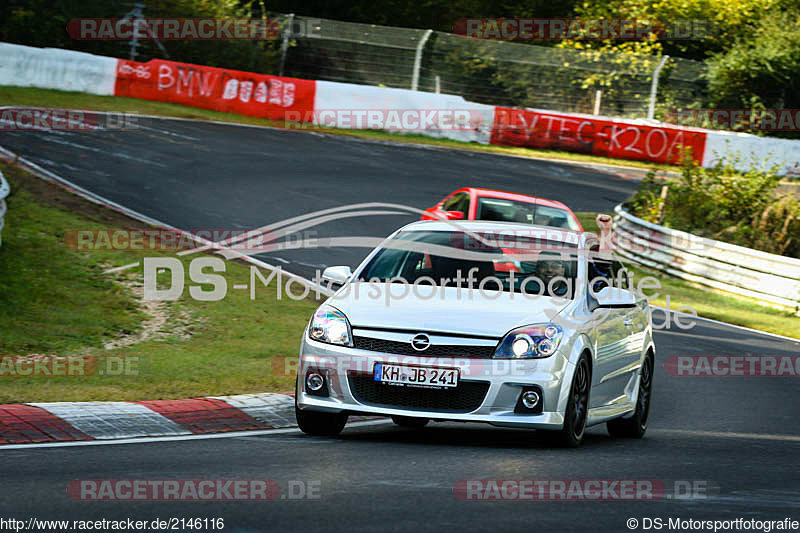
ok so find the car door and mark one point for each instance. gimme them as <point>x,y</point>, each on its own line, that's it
<point>611,332</point>
<point>635,322</point>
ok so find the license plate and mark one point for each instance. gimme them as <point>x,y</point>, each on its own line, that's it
<point>416,376</point>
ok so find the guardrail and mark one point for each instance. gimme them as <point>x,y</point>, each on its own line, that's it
<point>4,190</point>
<point>769,278</point>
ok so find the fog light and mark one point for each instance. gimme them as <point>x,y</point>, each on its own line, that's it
<point>315,382</point>
<point>530,399</point>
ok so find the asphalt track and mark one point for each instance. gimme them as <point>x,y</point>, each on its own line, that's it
<point>738,437</point>
<point>198,175</point>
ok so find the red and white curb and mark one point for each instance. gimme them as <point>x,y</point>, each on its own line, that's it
<point>84,421</point>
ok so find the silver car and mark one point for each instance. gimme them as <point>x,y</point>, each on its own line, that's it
<point>510,324</point>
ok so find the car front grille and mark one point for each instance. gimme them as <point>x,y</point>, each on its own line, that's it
<point>464,398</point>
<point>435,350</point>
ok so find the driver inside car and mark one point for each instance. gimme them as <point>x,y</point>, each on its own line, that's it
<point>550,268</point>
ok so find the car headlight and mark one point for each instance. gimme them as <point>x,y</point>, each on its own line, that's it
<point>530,342</point>
<point>330,325</point>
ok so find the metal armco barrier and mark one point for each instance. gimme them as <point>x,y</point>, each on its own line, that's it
<point>4,190</point>
<point>769,278</point>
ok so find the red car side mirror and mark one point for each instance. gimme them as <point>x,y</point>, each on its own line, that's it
<point>454,215</point>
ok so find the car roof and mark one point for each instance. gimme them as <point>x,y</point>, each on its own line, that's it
<point>505,195</point>
<point>550,232</point>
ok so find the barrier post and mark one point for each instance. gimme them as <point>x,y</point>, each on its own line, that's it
<point>651,109</point>
<point>598,96</point>
<point>418,59</point>
<point>287,32</point>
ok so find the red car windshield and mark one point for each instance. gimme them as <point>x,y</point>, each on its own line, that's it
<point>499,209</point>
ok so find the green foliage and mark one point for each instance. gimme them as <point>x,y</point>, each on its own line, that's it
<point>719,23</point>
<point>762,70</point>
<point>720,203</point>
<point>439,15</point>
<point>43,23</point>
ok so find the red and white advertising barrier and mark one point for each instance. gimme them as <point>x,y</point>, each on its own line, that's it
<point>344,105</point>
<point>231,91</point>
<point>601,136</point>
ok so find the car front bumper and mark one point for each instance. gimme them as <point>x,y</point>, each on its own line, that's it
<point>348,374</point>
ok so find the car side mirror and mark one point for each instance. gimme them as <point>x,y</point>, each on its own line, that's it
<point>337,275</point>
<point>454,215</point>
<point>613,298</point>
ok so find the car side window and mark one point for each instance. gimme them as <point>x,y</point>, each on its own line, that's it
<point>453,203</point>
<point>606,272</point>
<point>616,268</point>
<point>463,205</point>
<point>601,274</point>
<point>551,216</point>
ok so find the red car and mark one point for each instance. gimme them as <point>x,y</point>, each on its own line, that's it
<point>470,203</point>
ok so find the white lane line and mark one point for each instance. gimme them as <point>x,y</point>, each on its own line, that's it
<point>74,188</point>
<point>78,146</point>
<point>728,435</point>
<point>146,440</point>
<point>138,126</point>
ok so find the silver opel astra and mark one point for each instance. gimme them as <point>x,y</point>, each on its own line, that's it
<point>511,324</point>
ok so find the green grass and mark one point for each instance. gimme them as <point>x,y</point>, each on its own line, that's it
<point>57,301</point>
<point>26,96</point>
<point>708,302</point>
<point>53,300</point>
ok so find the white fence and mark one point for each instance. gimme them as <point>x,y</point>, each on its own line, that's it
<point>476,127</point>
<point>53,68</point>
<point>769,278</point>
<point>752,152</point>
<point>4,190</point>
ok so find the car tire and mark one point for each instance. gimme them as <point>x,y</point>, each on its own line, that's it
<point>318,423</point>
<point>571,435</point>
<point>410,421</point>
<point>636,426</point>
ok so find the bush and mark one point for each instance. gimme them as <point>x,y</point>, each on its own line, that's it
<point>761,71</point>
<point>723,204</point>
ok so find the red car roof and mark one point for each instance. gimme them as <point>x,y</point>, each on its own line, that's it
<point>505,195</point>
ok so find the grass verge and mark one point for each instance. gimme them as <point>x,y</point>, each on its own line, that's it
<point>55,300</point>
<point>708,302</point>
<point>27,96</point>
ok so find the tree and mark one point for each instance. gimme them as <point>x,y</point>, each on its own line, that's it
<point>761,70</point>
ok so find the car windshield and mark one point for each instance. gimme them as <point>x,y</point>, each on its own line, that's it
<point>501,261</point>
<point>502,210</point>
